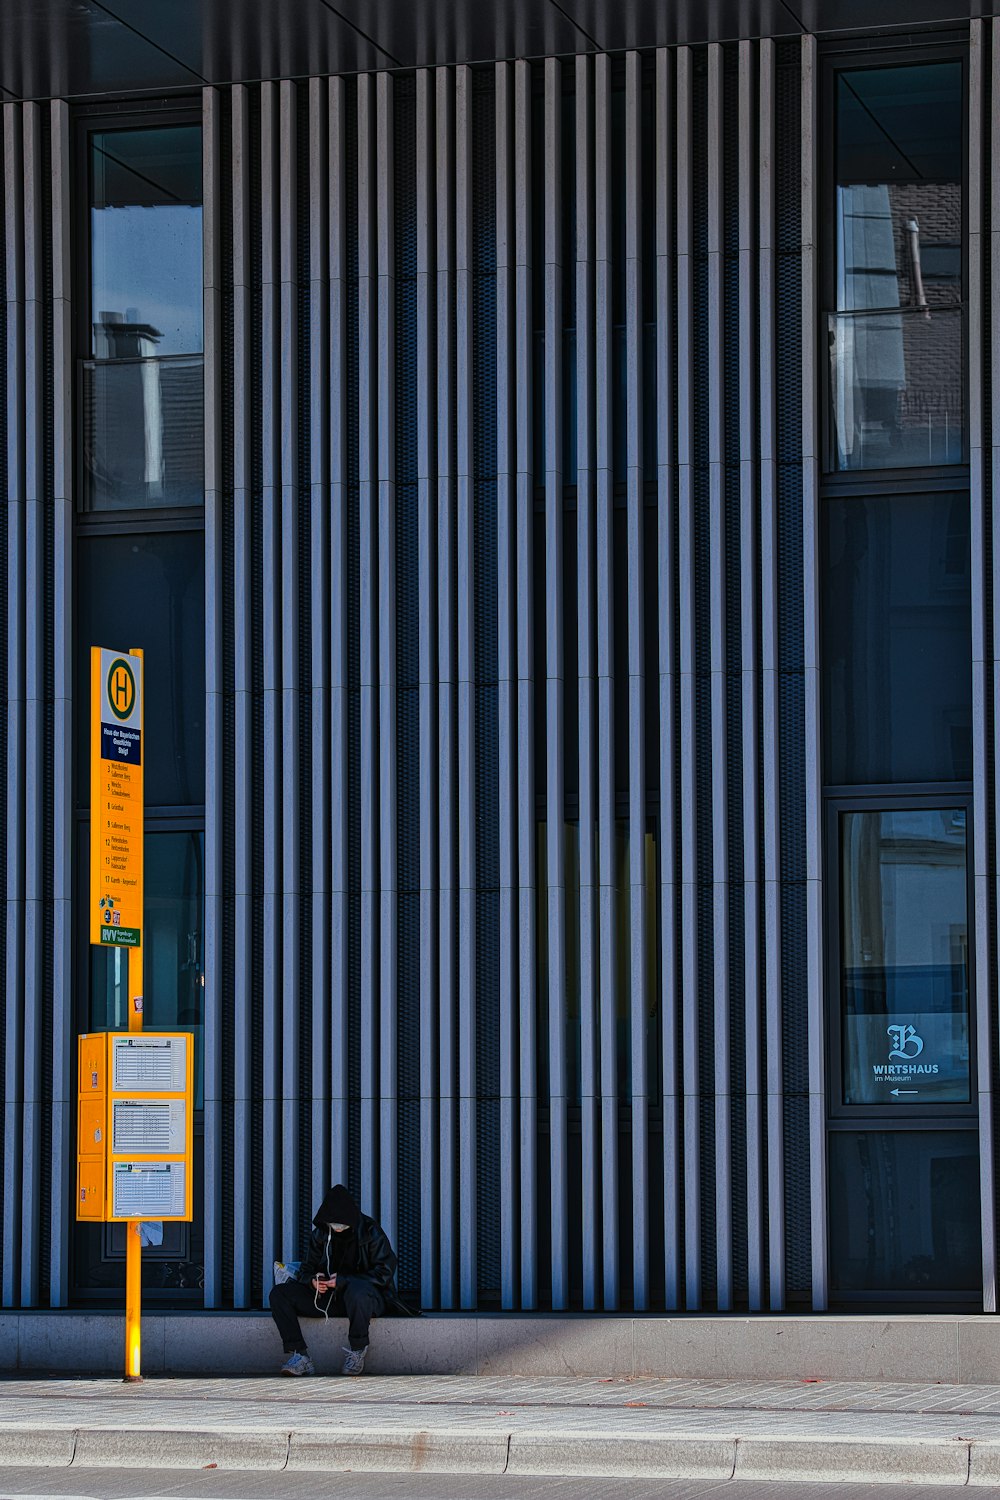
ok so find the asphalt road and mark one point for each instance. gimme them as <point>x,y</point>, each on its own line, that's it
<point>141,1484</point>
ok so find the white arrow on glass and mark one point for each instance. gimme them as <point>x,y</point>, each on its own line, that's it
<point>896,1092</point>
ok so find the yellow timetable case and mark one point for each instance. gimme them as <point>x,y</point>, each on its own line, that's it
<point>135,1108</point>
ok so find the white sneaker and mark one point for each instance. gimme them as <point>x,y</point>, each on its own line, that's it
<point>298,1364</point>
<point>354,1364</point>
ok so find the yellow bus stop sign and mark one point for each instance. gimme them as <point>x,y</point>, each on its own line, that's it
<point>116,798</point>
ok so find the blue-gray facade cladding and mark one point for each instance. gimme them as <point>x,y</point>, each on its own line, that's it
<point>513,823</point>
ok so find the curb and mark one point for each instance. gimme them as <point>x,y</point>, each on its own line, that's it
<point>471,1450</point>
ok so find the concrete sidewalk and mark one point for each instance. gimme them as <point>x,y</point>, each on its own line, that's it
<point>623,1428</point>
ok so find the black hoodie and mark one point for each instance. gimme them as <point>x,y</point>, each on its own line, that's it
<point>338,1207</point>
<point>363,1250</point>
<point>341,1254</point>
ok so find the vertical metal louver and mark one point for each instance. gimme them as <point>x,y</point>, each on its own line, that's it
<point>233,928</point>
<point>483,290</point>
<point>408,747</point>
<point>984,423</point>
<point>46,724</point>
<point>5,440</point>
<point>37,598</point>
<point>790,680</point>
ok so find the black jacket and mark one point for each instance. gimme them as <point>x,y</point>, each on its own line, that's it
<point>375,1260</point>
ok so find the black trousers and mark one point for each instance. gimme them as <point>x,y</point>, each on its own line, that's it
<point>358,1300</point>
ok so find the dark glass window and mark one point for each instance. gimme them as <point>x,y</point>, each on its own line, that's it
<point>897,676</point>
<point>905,957</point>
<point>148,589</point>
<point>142,382</point>
<point>896,344</point>
<point>904,1212</point>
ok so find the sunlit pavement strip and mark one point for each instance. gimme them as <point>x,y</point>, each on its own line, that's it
<point>668,1428</point>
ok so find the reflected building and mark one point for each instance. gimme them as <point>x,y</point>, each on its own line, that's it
<point>143,419</point>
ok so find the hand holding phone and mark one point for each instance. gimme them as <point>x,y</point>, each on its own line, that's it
<point>324,1283</point>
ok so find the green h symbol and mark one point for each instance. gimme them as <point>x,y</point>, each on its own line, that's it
<point>121,689</point>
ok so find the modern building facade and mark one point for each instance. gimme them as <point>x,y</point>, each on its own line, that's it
<point>548,461</point>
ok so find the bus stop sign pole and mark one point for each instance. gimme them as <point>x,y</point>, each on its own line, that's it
<point>117,811</point>
<point>133,1243</point>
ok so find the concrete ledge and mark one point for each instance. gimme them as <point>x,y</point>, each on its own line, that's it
<point>832,1347</point>
<point>948,1348</point>
<point>813,1460</point>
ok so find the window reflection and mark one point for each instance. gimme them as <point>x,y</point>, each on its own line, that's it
<point>904,1212</point>
<point>896,342</point>
<point>897,677</point>
<point>146,252</point>
<point>143,433</point>
<point>905,943</point>
<point>142,386</point>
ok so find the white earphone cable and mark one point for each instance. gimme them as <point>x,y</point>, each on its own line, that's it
<point>326,1262</point>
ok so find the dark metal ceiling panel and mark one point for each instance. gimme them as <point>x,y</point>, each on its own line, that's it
<point>640,23</point>
<point>828,17</point>
<point>423,32</point>
<point>232,40</point>
<point>76,48</point>
<point>73,47</point>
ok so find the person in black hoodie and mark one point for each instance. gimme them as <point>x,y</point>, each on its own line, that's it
<point>348,1272</point>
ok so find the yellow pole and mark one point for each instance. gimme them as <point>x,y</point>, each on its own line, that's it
<point>133,1244</point>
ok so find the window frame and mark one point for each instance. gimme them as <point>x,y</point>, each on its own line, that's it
<point>922,796</point>
<point>876,55</point>
<point>879,52</point>
<point>88,121</point>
